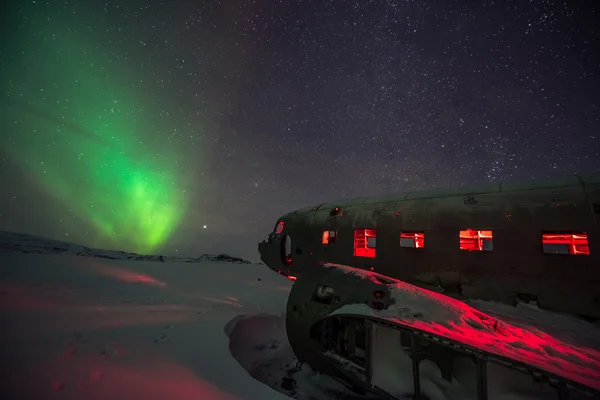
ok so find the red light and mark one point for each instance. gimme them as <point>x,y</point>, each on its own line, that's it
<point>412,239</point>
<point>335,212</point>
<point>329,237</point>
<point>279,227</point>
<point>361,243</point>
<point>470,326</point>
<point>291,278</point>
<point>472,240</point>
<point>576,242</point>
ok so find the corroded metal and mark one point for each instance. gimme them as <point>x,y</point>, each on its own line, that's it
<point>516,269</point>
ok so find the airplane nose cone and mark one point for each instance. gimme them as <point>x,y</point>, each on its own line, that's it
<point>275,255</point>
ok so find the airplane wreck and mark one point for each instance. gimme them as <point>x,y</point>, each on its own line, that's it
<point>508,242</point>
<point>380,285</point>
<point>397,340</point>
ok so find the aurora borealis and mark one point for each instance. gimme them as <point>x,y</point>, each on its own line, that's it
<point>79,123</point>
<point>186,127</point>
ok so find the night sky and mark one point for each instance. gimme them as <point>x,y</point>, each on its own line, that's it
<point>186,127</point>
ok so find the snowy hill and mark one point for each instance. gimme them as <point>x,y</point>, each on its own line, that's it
<point>109,326</point>
<point>24,243</point>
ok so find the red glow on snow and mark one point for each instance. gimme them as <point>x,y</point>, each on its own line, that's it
<point>21,297</point>
<point>412,239</point>
<point>121,274</point>
<point>362,248</point>
<point>132,277</point>
<point>577,242</point>
<point>529,346</point>
<point>472,240</point>
<point>136,375</point>
<point>469,326</point>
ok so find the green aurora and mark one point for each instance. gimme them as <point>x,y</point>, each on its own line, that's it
<point>80,127</point>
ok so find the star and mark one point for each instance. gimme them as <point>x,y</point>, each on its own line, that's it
<point>134,123</point>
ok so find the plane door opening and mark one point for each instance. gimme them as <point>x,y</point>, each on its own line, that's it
<point>286,250</point>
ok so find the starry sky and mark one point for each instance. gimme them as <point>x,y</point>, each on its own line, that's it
<point>185,127</point>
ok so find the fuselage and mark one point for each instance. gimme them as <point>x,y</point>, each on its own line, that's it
<point>534,241</point>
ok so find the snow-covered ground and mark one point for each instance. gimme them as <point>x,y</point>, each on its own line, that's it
<point>101,325</point>
<point>80,323</point>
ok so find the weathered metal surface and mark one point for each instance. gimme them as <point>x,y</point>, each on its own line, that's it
<point>517,213</point>
<point>566,366</point>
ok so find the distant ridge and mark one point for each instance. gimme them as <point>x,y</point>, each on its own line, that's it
<point>24,243</point>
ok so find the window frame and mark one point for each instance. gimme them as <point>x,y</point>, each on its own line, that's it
<point>417,237</point>
<point>367,251</point>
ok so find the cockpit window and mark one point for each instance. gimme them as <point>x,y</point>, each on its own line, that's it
<point>279,227</point>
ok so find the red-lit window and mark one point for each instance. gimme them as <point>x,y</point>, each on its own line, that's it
<point>365,243</point>
<point>329,237</point>
<point>472,240</point>
<point>279,227</point>
<point>412,239</point>
<point>565,243</point>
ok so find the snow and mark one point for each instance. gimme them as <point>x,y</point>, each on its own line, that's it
<point>101,324</point>
<point>563,326</point>
<point>19,242</point>
<point>259,343</point>
<point>550,350</point>
<point>101,328</point>
<point>98,324</point>
<point>393,373</point>
<point>79,327</point>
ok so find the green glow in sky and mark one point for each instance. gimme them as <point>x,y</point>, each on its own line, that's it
<point>84,131</point>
